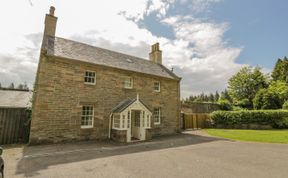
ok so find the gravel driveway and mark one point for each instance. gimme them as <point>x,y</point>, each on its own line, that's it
<point>191,154</point>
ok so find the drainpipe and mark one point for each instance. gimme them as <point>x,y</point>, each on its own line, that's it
<point>109,131</point>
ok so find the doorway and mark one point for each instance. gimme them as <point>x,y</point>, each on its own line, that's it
<point>136,129</point>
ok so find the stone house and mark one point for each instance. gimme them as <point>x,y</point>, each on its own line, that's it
<point>84,92</point>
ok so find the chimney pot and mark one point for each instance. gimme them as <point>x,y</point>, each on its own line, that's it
<point>52,10</point>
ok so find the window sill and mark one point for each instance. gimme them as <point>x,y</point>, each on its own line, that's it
<point>120,128</point>
<point>89,83</point>
<point>86,127</point>
<point>157,123</point>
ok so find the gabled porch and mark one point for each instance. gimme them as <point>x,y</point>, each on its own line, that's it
<point>130,121</point>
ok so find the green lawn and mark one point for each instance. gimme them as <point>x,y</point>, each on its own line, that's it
<point>269,136</point>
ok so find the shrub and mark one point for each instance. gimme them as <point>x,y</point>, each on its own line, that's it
<point>285,105</point>
<point>225,105</point>
<point>274,118</point>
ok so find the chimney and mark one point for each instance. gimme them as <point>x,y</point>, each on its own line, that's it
<point>50,23</point>
<point>156,54</point>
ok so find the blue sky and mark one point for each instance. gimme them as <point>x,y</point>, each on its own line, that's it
<point>260,26</point>
<point>204,41</point>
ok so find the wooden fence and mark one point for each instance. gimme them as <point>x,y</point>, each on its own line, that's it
<point>14,125</point>
<point>195,120</point>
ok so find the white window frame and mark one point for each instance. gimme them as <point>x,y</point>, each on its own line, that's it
<point>128,82</point>
<point>87,115</point>
<point>122,119</point>
<point>148,121</point>
<point>159,86</point>
<point>158,116</point>
<point>85,76</point>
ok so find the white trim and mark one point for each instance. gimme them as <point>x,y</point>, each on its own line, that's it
<point>159,89</point>
<point>131,81</point>
<point>121,123</point>
<point>90,83</point>
<point>159,115</point>
<point>86,127</point>
<point>109,131</point>
<point>92,124</point>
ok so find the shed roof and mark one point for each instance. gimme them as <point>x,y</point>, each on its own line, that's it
<point>15,99</point>
<point>69,49</point>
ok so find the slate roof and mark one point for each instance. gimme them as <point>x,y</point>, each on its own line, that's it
<point>15,99</point>
<point>124,104</point>
<point>69,49</point>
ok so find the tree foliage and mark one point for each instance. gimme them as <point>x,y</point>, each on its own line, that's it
<point>273,97</point>
<point>285,105</point>
<point>244,85</point>
<point>226,96</point>
<point>210,98</point>
<point>280,71</point>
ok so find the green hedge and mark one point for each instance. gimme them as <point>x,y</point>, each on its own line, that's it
<point>232,119</point>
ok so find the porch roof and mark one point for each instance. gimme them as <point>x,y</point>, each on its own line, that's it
<point>125,104</point>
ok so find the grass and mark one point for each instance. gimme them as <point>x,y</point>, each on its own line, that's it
<point>268,136</point>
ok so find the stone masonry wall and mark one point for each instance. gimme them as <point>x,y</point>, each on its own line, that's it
<point>60,93</point>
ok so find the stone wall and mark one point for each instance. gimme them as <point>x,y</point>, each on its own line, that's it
<point>60,93</point>
<point>119,135</point>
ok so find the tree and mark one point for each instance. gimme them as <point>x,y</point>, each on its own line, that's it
<point>211,97</point>
<point>11,86</point>
<point>217,96</point>
<point>25,86</point>
<point>273,97</point>
<point>280,71</point>
<point>20,86</point>
<point>225,105</point>
<point>225,96</point>
<point>285,105</point>
<point>266,99</point>
<point>281,89</point>
<point>0,86</point>
<point>244,85</point>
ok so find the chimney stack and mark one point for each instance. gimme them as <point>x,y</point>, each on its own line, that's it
<point>156,54</point>
<point>50,23</point>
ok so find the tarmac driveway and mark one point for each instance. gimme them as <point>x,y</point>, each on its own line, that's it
<point>191,154</point>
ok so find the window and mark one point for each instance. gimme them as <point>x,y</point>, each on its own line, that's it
<point>90,77</point>
<point>128,82</point>
<point>143,119</point>
<point>148,121</point>
<point>157,115</point>
<point>157,86</point>
<point>116,121</point>
<point>128,120</point>
<point>123,122</point>
<point>87,117</point>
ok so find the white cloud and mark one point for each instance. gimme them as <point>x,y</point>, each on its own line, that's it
<point>199,54</point>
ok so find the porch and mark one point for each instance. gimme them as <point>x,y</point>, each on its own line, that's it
<point>130,121</point>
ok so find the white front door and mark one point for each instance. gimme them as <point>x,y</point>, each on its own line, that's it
<point>137,131</point>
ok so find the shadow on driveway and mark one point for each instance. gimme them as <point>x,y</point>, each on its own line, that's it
<point>37,158</point>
